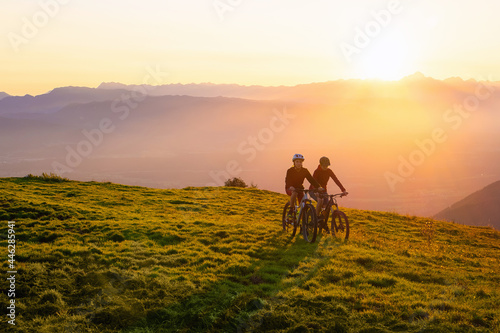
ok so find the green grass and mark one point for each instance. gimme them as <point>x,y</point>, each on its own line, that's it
<point>102,257</point>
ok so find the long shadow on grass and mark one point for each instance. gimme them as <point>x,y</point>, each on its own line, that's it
<point>227,305</point>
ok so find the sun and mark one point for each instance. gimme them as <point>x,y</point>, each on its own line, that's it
<point>388,59</point>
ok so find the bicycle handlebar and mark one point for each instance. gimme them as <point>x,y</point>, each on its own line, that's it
<point>305,190</point>
<point>335,195</point>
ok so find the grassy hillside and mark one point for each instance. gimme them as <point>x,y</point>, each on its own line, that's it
<point>101,257</point>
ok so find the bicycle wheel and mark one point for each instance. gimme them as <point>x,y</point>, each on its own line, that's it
<point>309,223</point>
<point>340,224</point>
<point>289,223</point>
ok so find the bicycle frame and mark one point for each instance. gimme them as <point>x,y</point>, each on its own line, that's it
<point>305,200</point>
<point>330,207</point>
<point>332,201</point>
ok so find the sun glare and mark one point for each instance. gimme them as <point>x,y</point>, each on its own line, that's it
<point>388,59</point>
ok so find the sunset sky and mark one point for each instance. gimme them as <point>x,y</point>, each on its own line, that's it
<point>54,43</point>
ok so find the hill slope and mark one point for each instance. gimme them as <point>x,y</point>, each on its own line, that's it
<point>479,208</point>
<point>101,257</point>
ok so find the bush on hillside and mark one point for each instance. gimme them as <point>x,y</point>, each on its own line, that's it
<point>50,177</point>
<point>235,182</point>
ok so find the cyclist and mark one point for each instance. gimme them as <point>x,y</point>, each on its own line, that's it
<point>295,178</point>
<point>322,175</point>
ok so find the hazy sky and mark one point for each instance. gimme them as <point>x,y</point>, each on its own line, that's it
<point>52,43</point>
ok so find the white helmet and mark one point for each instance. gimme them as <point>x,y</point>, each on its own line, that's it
<point>297,157</point>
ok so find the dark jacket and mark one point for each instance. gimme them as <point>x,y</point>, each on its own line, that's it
<point>323,176</point>
<point>296,178</point>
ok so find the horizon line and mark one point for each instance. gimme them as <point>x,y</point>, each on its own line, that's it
<point>417,75</point>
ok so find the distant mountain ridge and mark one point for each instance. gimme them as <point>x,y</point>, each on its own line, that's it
<point>481,208</point>
<point>205,90</point>
<point>321,92</point>
<point>32,106</point>
<point>3,95</point>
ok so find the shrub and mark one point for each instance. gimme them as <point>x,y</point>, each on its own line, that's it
<point>51,177</point>
<point>235,182</point>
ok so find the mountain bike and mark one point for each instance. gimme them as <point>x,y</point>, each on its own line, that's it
<point>303,215</point>
<point>339,223</point>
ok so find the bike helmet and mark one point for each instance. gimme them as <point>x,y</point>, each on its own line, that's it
<point>297,157</point>
<point>324,161</point>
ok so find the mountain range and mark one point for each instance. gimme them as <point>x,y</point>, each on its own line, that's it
<point>412,146</point>
<point>22,107</point>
